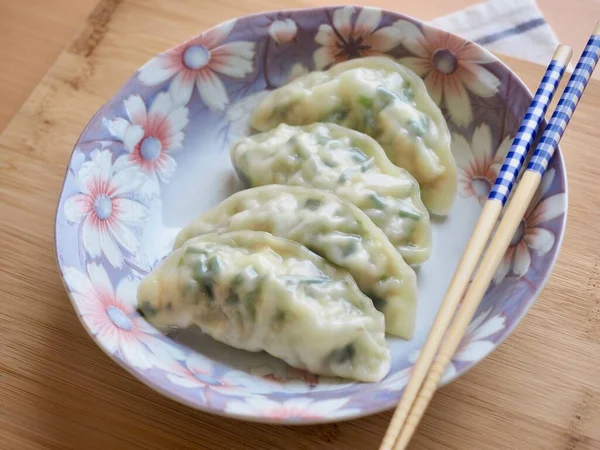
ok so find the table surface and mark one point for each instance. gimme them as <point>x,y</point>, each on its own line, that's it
<point>538,390</point>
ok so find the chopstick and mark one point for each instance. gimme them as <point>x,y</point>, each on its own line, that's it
<point>481,233</point>
<point>508,226</point>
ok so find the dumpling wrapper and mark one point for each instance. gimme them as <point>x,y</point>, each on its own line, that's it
<point>348,163</point>
<point>331,227</point>
<point>257,292</point>
<point>383,99</point>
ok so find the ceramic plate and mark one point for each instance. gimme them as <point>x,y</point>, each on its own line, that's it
<point>175,119</point>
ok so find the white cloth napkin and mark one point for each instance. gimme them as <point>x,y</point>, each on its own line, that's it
<point>513,27</point>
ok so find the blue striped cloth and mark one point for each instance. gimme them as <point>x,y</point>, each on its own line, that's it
<point>512,27</point>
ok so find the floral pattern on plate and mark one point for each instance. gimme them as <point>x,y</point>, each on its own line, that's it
<point>111,317</point>
<point>533,235</point>
<point>149,136</point>
<point>450,67</point>
<point>198,372</point>
<point>478,163</point>
<point>104,207</point>
<point>294,409</point>
<point>283,31</point>
<point>155,155</point>
<point>198,63</point>
<point>342,40</point>
<point>474,346</point>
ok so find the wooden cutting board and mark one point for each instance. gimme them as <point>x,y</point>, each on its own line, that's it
<point>539,390</point>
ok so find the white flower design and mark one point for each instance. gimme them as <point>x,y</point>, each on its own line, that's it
<point>106,211</point>
<point>530,235</point>
<point>296,71</point>
<point>397,381</point>
<point>473,347</point>
<point>111,317</point>
<point>150,136</point>
<point>294,408</point>
<point>478,164</point>
<point>77,161</point>
<point>475,344</point>
<point>199,372</point>
<point>340,40</point>
<point>238,114</point>
<point>449,66</point>
<point>197,63</point>
<point>283,31</point>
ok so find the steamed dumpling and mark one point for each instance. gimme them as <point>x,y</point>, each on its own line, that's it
<point>383,99</point>
<point>331,227</point>
<point>348,163</point>
<point>257,292</point>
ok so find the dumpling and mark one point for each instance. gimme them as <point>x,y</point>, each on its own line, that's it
<point>348,163</point>
<point>257,292</point>
<point>331,227</point>
<point>383,99</point>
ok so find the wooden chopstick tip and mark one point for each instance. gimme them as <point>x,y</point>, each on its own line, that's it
<point>563,54</point>
<point>597,28</point>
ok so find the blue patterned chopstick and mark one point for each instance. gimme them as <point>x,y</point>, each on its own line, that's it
<point>529,126</point>
<point>566,105</point>
<point>444,338</point>
<point>475,247</point>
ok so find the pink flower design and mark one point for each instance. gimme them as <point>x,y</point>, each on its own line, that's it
<point>450,66</point>
<point>199,372</point>
<point>149,136</point>
<point>106,211</point>
<point>530,235</point>
<point>478,164</point>
<point>341,41</point>
<point>111,317</point>
<point>294,408</point>
<point>283,31</point>
<point>197,62</point>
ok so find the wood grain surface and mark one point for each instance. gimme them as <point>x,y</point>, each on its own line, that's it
<point>58,390</point>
